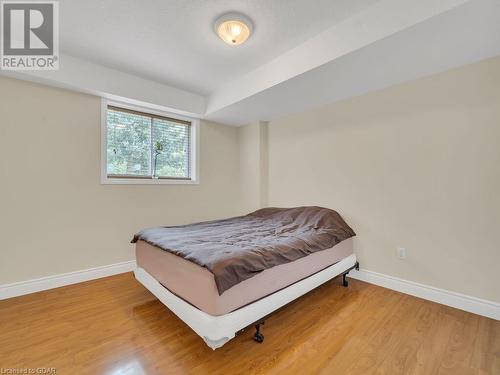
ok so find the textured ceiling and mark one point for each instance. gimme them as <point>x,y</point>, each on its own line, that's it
<point>164,54</point>
<point>463,35</point>
<point>172,41</point>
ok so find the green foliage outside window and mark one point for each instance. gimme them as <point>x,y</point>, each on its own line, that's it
<point>143,146</point>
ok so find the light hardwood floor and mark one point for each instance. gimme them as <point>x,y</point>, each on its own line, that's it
<point>115,326</point>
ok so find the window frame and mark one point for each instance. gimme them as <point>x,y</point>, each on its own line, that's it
<point>142,180</point>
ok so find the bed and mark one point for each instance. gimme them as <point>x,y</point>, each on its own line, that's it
<point>222,276</point>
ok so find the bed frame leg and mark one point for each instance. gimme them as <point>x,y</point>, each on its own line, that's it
<point>345,282</point>
<point>258,336</point>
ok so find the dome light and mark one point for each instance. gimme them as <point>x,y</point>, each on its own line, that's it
<point>233,28</point>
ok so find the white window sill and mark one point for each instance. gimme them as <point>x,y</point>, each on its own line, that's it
<point>138,181</point>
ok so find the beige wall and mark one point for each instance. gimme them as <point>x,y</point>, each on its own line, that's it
<point>253,158</point>
<point>414,166</point>
<point>55,215</point>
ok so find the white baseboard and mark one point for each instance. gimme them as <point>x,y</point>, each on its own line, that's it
<point>460,301</point>
<point>56,281</point>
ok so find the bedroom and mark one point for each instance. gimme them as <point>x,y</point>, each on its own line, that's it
<point>387,113</point>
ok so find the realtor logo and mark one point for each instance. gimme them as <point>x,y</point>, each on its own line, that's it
<point>29,35</point>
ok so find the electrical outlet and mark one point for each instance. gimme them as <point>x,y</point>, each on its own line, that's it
<point>401,253</point>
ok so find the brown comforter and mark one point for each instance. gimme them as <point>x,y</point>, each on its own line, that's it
<point>238,248</point>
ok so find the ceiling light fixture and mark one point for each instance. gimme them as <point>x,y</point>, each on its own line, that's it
<point>233,28</point>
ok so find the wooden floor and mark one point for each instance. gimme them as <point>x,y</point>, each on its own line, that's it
<point>115,326</point>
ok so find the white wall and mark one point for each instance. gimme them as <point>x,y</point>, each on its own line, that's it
<point>56,217</point>
<point>414,166</point>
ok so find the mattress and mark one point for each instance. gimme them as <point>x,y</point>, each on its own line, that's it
<point>196,285</point>
<point>238,248</point>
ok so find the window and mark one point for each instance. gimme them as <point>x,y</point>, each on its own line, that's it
<point>145,147</point>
